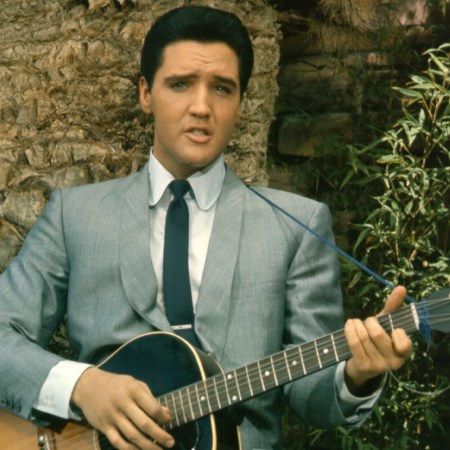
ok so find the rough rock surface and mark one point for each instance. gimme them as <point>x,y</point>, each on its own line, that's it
<point>69,111</point>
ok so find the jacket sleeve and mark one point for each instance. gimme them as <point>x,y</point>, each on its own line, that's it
<point>313,309</point>
<point>32,304</point>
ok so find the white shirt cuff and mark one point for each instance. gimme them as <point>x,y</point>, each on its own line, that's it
<point>354,408</point>
<point>54,396</point>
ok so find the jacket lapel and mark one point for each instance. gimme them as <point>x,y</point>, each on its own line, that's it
<point>138,275</point>
<point>136,268</point>
<point>213,307</point>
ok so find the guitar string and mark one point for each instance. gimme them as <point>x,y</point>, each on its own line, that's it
<point>70,441</point>
<point>308,356</point>
<point>222,388</point>
<point>66,440</point>
<point>277,363</point>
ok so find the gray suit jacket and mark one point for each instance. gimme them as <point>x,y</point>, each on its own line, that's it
<point>267,284</point>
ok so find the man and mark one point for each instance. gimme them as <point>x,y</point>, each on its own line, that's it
<point>259,282</point>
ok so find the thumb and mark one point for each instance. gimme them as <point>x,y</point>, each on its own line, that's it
<point>395,299</point>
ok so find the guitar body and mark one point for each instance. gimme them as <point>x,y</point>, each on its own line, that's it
<point>17,433</point>
<point>165,363</point>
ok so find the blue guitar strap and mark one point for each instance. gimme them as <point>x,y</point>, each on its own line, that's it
<point>421,307</point>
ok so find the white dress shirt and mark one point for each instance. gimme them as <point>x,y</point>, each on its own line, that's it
<point>201,201</point>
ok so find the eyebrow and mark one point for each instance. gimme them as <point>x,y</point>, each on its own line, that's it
<point>225,80</point>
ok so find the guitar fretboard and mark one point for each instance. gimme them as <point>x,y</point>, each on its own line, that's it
<point>223,390</point>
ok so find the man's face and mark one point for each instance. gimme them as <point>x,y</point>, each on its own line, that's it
<point>195,100</point>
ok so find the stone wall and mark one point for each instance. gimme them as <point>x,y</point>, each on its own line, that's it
<point>69,103</point>
<point>333,53</point>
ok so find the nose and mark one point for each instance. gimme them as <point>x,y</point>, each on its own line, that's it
<point>200,103</point>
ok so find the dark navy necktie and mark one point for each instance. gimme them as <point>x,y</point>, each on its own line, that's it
<point>176,281</point>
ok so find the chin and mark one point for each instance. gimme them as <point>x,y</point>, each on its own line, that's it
<point>200,163</point>
<point>195,167</point>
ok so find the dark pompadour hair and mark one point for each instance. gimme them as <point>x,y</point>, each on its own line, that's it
<point>200,24</point>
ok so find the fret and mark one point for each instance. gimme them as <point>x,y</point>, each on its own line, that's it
<point>225,385</point>
<point>232,387</point>
<point>286,360</point>
<point>199,403</point>
<point>310,357</point>
<point>248,379</point>
<point>391,322</point>
<point>326,350</point>
<point>243,383</point>
<point>318,354</point>
<point>334,347</point>
<point>174,409</point>
<point>163,401</point>
<point>217,392</point>
<point>281,368</point>
<point>384,322</point>
<point>268,374</point>
<point>341,346</point>
<point>410,322</point>
<point>212,394</point>
<point>204,397</point>
<point>180,397</point>
<point>190,391</point>
<point>261,377</point>
<point>238,387</point>
<point>300,352</point>
<point>256,382</point>
<point>274,372</point>
<point>222,389</point>
<point>294,362</point>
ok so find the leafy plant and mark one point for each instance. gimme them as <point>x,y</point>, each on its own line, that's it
<point>405,177</point>
<point>407,239</point>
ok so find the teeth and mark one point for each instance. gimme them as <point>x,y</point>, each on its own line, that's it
<point>198,132</point>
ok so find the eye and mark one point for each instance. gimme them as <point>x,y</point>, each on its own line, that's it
<point>223,90</point>
<point>178,85</point>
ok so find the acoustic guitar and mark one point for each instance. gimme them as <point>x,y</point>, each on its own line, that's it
<point>199,394</point>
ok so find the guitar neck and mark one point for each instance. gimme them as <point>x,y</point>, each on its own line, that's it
<point>226,389</point>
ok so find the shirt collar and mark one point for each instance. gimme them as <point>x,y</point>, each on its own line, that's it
<point>206,184</point>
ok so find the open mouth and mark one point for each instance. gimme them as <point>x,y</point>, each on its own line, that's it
<point>199,135</point>
<point>197,132</point>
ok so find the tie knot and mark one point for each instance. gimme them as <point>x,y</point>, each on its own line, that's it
<point>179,188</point>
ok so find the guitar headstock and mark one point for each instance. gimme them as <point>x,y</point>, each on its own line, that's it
<point>437,308</point>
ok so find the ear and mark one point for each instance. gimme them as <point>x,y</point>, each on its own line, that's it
<point>145,97</point>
